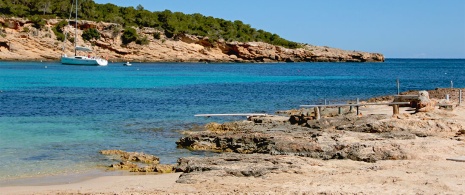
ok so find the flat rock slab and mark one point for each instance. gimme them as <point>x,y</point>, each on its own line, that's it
<point>458,159</point>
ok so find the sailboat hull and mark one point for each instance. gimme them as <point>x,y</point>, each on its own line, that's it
<point>83,61</point>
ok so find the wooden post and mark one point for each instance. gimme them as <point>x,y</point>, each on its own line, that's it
<point>317,113</point>
<point>395,109</point>
<point>460,97</point>
<point>340,110</point>
<point>358,112</point>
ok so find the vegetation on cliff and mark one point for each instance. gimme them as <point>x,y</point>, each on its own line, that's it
<point>172,23</point>
<point>90,34</point>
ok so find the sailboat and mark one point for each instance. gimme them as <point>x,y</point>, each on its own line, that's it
<point>81,60</point>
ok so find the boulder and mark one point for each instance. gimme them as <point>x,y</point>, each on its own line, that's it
<point>133,161</point>
<point>158,168</point>
<point>125,165</point>
<point>133,156</point>
<point>425,104</point>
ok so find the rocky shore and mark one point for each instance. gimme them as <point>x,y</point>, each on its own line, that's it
<point>417,151</point>
<point>374,152</point>
<point>20,40</point>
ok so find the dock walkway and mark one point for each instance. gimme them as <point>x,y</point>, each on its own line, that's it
<point>395,107</point>
<point>234,114</point>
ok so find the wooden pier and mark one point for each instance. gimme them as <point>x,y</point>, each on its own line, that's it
<point>395,107</point>
<point>233,114</point>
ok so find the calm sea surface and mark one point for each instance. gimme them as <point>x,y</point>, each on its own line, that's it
<point>55,118</point>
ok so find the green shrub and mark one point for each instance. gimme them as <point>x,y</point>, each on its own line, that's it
<point>60,36</point>
<point>37,21</point>
<point>143,41</point>
<point>26,29</point>
<point>58,30</point>
<point>59,27</point>
<point>90,34</point>
<point>115,30</point>
<point>129,35</point>
<point>157,35</point>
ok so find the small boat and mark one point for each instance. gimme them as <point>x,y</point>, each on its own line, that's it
<point>127,64</point>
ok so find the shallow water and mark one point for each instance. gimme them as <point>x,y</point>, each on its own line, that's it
<point>55,118</point>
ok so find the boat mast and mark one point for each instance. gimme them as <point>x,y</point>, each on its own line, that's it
<point>75,30</point>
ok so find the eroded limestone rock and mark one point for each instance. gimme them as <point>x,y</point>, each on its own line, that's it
<point>197,169</point>
<point>133,156</point>
<point>138,162</point>
<point>425,104</point>
<point>369,138</point>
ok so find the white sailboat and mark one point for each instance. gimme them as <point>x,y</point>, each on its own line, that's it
<point>81,60</point>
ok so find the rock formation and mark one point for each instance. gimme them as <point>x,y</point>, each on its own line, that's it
<point>424,104</point>
<point>230,164</point>
<point>20,40</point>
<point>368,138</point>
<point>137,162</point>
<point>268,147</point>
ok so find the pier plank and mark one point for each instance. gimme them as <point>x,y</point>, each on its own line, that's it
<point>233,114</point>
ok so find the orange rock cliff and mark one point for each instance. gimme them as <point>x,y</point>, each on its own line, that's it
<point>20,40</point>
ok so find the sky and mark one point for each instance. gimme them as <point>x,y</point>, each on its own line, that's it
<point>395,28</point>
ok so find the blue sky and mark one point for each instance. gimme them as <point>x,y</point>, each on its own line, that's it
<point>396,28</point>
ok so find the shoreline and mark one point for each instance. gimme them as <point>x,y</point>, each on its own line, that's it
<point>58,179</point>
<point>210,62</point>
<point>180,61</point>
<point>101,184</point>
<point>429,176</point>
<point>422,168</point>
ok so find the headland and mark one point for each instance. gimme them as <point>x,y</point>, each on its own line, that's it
<point>21,41</point>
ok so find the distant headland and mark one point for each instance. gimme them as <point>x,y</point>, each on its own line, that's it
<point>30,33</point>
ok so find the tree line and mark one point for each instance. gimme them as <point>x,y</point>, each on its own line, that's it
<point>172,23</point>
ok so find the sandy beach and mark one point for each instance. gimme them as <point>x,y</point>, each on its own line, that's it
<point>128,184</point>
<point>430,173</point>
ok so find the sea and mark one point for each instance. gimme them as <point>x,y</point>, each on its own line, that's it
<point>54,119</point>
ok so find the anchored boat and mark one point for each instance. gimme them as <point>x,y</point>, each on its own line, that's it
<point>81,60</point>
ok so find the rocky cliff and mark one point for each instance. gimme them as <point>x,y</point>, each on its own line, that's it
<point>20,40</point>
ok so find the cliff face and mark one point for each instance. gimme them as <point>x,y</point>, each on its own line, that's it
<point>19,40</point>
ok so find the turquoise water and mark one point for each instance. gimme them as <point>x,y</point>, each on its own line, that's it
<point>55,118</point>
